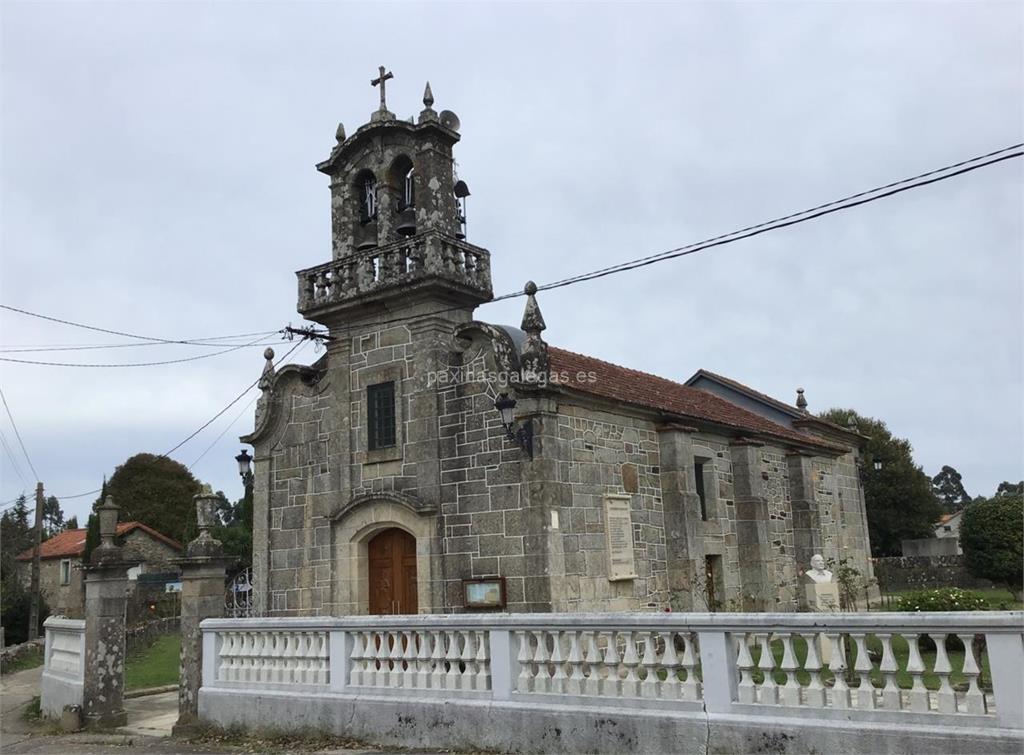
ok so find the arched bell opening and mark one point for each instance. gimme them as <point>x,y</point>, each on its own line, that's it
<point>365,230</point>
<point>402,183</point>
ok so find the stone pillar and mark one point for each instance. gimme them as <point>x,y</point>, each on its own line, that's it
<point>684,534</point>
<point>106,589</point>
<point>806,517</point>
<point>202,597</point>
<point>753,538</point>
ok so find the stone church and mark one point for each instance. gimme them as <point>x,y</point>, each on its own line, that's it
<point>429,462</point>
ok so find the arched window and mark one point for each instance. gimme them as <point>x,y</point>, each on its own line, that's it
<point>402,178</point>
<point>366,188</point>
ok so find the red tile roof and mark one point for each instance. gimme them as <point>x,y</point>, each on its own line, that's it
<point>643,389</point>
<point>71,543</point>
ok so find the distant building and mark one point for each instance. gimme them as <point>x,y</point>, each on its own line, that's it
<point>60,570</point>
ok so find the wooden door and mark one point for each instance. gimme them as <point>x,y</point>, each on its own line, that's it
<point>392,557</point>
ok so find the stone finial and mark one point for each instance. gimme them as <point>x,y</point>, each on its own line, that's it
<point>428,113</point>
<point>107,550</point>
<point>851,423</point>
<point>267,378</point>
<point>534,357</point>
<point>801,402</point>
<point>206,516</point>
<point>340,133</point>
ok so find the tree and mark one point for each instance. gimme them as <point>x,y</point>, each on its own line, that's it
<point>235,528</point>
<point>156,491</point>
<point>948,488</point>
<point>990,535</point>
<point>1010,488</point>
<point>71,523</point>
<point>898,497</point>
<point>92,536</point>
<point>53,517</point>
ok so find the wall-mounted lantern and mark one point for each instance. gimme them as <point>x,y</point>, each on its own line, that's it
<point>523,436</point>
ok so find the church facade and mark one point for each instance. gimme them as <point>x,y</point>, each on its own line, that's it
<point>433,463</point>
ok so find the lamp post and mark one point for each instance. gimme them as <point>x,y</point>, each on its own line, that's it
<point>245,468</point>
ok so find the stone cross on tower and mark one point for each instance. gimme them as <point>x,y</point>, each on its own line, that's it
<point>381,79</point>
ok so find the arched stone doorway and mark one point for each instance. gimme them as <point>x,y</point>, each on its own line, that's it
<point>391,556</point>
<point>358,525</point>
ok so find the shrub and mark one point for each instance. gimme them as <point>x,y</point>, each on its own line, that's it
<point>990,535</point>
<point>942,599</point>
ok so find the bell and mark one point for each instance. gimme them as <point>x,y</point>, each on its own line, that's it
<point>366,236</point>
<point>406,222</point>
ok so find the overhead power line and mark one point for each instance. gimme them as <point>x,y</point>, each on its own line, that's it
<point>190,342</point>
<point>216,342</point>
<point>794,218</point>
<point>13,459</point>
<point>258,342</point>
<point>17,434</point>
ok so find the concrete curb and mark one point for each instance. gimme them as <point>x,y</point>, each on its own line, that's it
<point>151,691</point>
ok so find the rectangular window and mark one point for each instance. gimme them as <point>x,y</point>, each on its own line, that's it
<point>698,478</point>
<point>65,572</point>
<point>380,415</point>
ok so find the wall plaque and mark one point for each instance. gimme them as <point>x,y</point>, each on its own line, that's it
<point>618,527</point>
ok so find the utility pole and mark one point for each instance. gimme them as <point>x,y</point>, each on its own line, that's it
<point>33,611</point>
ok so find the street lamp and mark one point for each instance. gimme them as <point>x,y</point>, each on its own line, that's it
<point>523,436</point>
<point>244,463</point>
<point>878,465</point>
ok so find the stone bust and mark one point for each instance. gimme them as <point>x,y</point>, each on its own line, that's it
<point>818,573</point>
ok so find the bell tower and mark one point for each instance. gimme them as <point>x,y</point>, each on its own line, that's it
<point>397,220</point>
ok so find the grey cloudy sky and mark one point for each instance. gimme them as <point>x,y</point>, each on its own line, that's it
<point>157,177</point>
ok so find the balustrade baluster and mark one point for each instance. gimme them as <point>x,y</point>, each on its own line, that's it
<point>372,674</point>
<point>611,684</point>
<point>865,695</point>
<point>592,683</point>
<point>574,684</point>
<point>383,676</point>
<point>422,659</point>
<point>451,679</point>
<point>482,661</point>
<point>746,690</point>
<point>814,693</point>
<point>670,688</point>
<point>945,697</point>
<point>889,667</point>
<point>226,657</point>
<point>408,661</point>
<point>974,699</point>
<point>791,687</point>
<point>467,660</point>
<point>649,661</point>
<point>918,694</point>
<point>691,688</point>
<point>358,659</point>
<point>630,659</point>
<point>542,679</point>
<point>769,688</point>
<point>837,665</point>
<point>525,660</point>
<point>437,659</point>
<point>557,663</point>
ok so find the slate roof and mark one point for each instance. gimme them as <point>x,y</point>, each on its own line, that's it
<point>746,389</point>
<point>71,543</point>
<point>643,389</point>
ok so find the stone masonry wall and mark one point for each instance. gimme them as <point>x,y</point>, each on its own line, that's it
<point>775,472</point>
<point>608,454</point>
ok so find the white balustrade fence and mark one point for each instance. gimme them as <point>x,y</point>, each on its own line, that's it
<point>937,669</point>
<point>63,665</point>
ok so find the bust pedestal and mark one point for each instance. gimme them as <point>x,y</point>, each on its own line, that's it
<point>822,597</point>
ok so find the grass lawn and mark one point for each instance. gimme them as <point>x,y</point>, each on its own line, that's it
<point>999,599</point>
<point>154,666</point>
